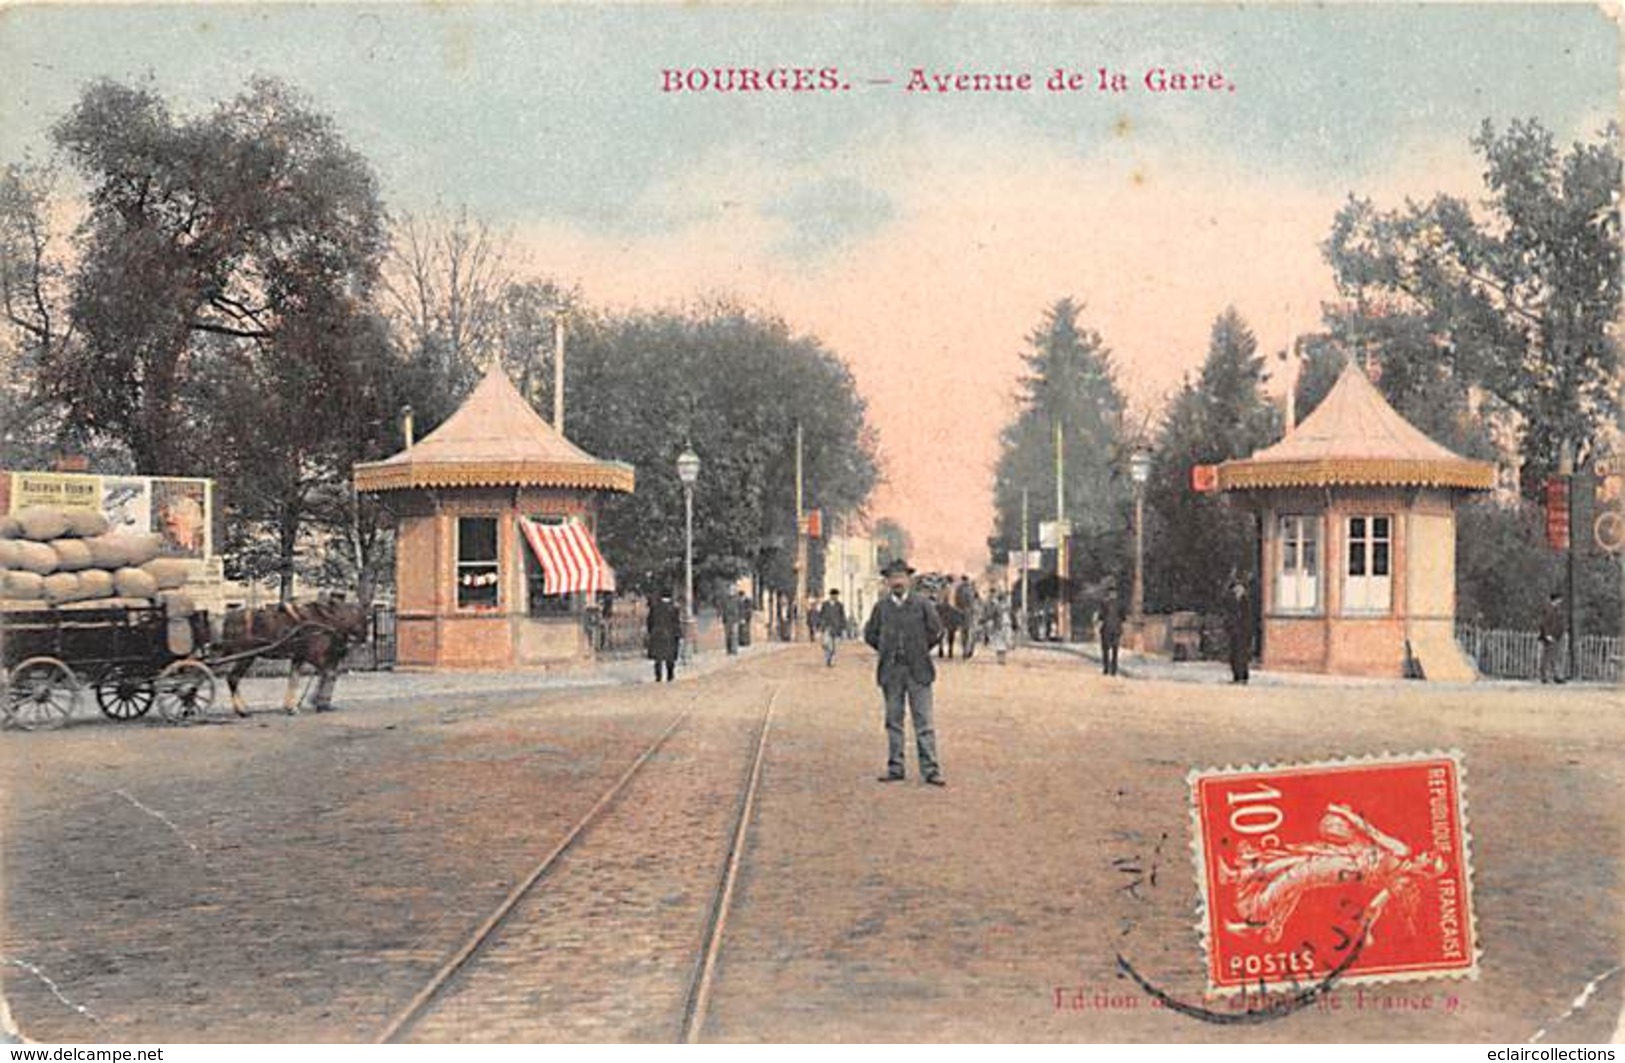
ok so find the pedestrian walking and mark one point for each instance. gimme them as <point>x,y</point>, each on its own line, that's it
<point>1003,631</point>
<point>902,629</point>
<point>832,622</point>
<point>730,622</point>
<point>665,633</point>
<point>1111,628</point>
<point>747,609</point>
<point>813,608</point>
<point>1554,624</point>
<point>1239,628</point>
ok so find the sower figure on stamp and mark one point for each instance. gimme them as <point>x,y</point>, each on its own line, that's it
<point>665,631</point>
<point>1553,624</point>
<point>1111,628</point>
<point>832,622</point>
<point>902,629</point>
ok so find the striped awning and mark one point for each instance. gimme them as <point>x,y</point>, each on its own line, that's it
<point>571,563</point>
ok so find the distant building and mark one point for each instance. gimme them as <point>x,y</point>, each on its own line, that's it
<point>852,566</point>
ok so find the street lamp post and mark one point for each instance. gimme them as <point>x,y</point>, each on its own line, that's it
<point>1139,468</point>
<point>688,471</point>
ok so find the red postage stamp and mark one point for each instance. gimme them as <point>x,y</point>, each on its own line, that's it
<point>1354,870</point>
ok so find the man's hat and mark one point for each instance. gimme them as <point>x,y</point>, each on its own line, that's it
<point>895,566</point>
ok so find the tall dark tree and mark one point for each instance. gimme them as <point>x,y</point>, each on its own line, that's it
<point>1401,354</point>
<point>1194,540</point>
<point>1069,382</point>
<point>732,384</point>
<point>220,305</point>
<point>443,288</point>
<point>1517,297</point>
<point>891,539</point>
<point>34,323</point>
<point>244,223</point>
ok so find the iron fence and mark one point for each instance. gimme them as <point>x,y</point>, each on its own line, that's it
<point>1516,654</point>
<point>622,632</point>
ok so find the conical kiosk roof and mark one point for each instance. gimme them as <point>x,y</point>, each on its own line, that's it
<point>1354,438</point>
<point>495,439</point>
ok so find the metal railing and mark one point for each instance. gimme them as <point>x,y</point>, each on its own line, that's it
<point>1516,654</point>
<point>622,633</point>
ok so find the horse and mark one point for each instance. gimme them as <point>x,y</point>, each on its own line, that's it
<point>314,633</point>
<point>958,607</point>
<point>953,627</point>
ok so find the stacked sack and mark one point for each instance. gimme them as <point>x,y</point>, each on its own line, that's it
<point>68,558</point>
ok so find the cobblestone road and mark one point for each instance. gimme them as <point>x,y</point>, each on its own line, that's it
<point>301,879</point>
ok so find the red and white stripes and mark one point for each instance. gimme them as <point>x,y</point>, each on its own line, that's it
<point>569,558</point>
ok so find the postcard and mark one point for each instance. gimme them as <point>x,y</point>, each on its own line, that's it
<point>918,523</point>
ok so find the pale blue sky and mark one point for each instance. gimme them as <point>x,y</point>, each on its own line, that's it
<point>526,111</point>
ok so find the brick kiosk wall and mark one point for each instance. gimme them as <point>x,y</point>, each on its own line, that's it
<point>432,631</point>
<point>1295,644</point>
<point>1421,587</point>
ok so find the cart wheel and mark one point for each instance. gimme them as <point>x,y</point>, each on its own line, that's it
<point>185,691</point>
<point>124,693</point>
<point>40,692</point>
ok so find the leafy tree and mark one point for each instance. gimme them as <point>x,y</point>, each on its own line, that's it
<point>442,288</point>
<point>284,467</point>
<point>1516,298</point>
<point>232,224</point>
<point>35,328</point>
<point>733,384</point>
<point>1070,382</point>
<point>527,334</point>
<point>218,319</point>
<point>892,540</point>
<point>1194,540</point>
<point>1403,355</point>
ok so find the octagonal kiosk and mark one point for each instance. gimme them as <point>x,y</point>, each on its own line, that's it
<point>1358,521</point>
<point>496,533</point>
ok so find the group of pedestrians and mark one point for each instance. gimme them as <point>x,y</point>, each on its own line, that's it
<point>1238,627</point>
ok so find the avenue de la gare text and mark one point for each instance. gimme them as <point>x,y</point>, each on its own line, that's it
<point>1158,80</point>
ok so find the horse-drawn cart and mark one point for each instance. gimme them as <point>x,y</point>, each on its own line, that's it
<point>129,656</point>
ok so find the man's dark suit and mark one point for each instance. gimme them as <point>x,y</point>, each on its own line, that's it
<point>903,633</point>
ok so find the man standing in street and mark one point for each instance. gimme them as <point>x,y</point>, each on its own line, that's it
<point>902,629</point>
<point>730,621</point>
<point>832,622</point>
<point>665,631</point>
<point>1553,624</point>
<point>746,608</point>
<point>1239,628</point>
<point>1111,628</point>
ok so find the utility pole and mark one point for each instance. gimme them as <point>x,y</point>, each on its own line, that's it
<point>558,370</point>
<point>1026,580</point>
<point>1063,567</point>
<point>1565,469</point>
<point>801,543</point>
